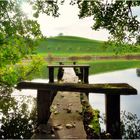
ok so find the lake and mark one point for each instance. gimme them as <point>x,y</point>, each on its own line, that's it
<point>129,103</point>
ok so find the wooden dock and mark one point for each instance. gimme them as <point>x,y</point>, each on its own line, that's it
<point>66,120</point>
<point>63,111</point>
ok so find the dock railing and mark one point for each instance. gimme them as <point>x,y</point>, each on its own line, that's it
<point>112,91</point>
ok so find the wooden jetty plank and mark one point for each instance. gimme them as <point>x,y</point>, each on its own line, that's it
<point>106,88</point>
<point>44,101</point>
<point>68,107</point>
<point>112,109</point>
<point>112,93</point>
<point>67,66</point>
<point>61,116</point>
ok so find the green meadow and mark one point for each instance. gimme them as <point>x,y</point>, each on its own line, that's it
<point>76,46</point>
<point>97,67</point>
<point>68,46</point>
<point>112,65</point>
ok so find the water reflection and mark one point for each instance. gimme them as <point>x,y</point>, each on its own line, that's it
<point>129,103</point>
<point>138,72</point>
<point>29,92</point>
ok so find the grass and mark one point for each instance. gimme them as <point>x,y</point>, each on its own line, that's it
<point>97,67</point>
<point>67,45</point>
<point>76,46</point>
<point>112,65</point>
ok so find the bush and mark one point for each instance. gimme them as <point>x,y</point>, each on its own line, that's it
<point>20,122</point>
<point>130,126</point>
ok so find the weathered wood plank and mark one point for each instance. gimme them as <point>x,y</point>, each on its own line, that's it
<point>107,88</point>
<point>43,106</point>
<point>58,66</point>
<point>51,75</point>
<point>112,107</point>
<point>44,101</point>
<point>85,77</point>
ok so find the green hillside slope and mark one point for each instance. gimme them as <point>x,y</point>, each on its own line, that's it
<point>75,46</point>
<point>71,45</point>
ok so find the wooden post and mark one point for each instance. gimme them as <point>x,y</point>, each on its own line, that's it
<point>43,106</point>
<point>112,92</point>
<point>86,74</point>
<point>85,77</point>
<point>82,74</point>
<point>51,74</point>
<point>60,73</point>
<point>113,115</point>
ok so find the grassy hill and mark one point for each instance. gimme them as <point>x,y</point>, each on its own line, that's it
<point>77,46</point>
<point>68,45</point>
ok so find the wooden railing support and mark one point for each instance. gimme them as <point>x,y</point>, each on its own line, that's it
<point>85,78</point>
<point>86,74</point>
<point>112,107</point>
<point>112,92</point>
<point>43,106</point>
<point>51,74</point>
<point>82,74</point>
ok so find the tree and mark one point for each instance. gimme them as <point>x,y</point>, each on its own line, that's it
<point>115,16</point>
<point>16,33</point>
<point>138,40</point>
<point>18,36</point>
<point>60,34</point>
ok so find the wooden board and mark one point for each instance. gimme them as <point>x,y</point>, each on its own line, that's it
<point>58,66</point>
<point>106,88</point>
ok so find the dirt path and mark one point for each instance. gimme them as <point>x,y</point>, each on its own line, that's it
<point>66,119</point>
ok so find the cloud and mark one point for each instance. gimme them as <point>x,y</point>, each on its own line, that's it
<point>69,24</point>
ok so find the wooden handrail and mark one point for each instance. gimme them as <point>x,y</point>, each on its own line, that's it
<point>72,66</point>
<point>112,91</point>
<point>106,88</point>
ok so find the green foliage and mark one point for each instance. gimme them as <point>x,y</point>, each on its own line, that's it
<point>17,34</point>
<point>90,119</point>
<point>138,40</point>
<point>17,42</point>
<point>71,45</point>
<point>130,125</point>
<point>12,74</point>
<point>19,122</point>
<point>122,48</point>
<point>94,124</point>
<point>49,7</point>
<point>27,71</point>
<point>115,16</point>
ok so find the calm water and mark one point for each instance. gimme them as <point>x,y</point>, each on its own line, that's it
<point>129,103</point>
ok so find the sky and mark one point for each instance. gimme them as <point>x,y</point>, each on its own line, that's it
<point>69,23</point>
